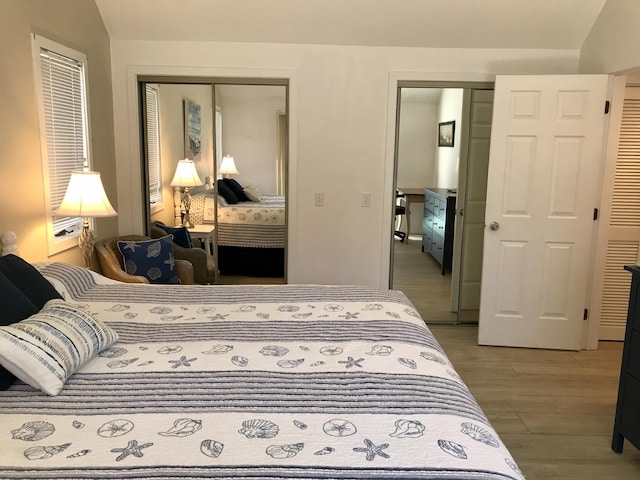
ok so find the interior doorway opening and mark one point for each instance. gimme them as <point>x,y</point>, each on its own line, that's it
<point>441,160</point>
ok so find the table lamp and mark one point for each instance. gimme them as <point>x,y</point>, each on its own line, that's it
<point>186,176</point>
<point>85,197</point>
<point>228,167</point>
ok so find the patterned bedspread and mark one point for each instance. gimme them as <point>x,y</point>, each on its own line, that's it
<point>260,382</point>
<point>246,224</point>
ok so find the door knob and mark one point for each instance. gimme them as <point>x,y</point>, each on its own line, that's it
<point>494,226</point>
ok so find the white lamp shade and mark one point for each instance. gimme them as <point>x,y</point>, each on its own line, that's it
<point>186,175</point>
<point>228,166</point>
<point>85,197</point>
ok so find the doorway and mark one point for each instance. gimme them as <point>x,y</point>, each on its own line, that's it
<point>443,282</point>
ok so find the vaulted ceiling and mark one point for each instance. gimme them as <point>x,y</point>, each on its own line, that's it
<point>554,24</point>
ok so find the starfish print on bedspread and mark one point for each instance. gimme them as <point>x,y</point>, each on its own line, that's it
<point>132,448</point>
<point>349,315</point>
<point>351,362</point>
<point>218,316</point>
<point>182,362</point>
<point>372,450</point>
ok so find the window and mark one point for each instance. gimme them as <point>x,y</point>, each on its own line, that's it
<point>62,101</point>
<point>154,169</point>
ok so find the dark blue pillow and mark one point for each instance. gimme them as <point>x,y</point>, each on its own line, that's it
<point>28,280</point>
<point>236,188</point>
<point>16,306</point>
<point>180,235</point>
<point>152,259</point>
<point>227,193</point>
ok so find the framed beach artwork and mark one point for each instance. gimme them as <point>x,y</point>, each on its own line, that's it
<point>192,130</point>
<point>446,130</point>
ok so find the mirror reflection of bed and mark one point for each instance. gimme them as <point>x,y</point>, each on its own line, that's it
<point>252,233</point>
<point>249,124</point>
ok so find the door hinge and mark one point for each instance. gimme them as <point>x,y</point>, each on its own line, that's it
<point>586,314</point>
<point>595,213</point>
<point>606,106</point>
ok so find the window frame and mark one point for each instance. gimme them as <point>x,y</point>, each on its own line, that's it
<point>158,205</point>
<point>57,244</point>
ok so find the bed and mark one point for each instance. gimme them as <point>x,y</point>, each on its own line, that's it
<point>255,382</point>
<point>251,235</point>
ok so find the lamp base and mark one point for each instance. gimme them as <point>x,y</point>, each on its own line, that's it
<point>186,202</point>
<point>86,242</point>
<point>186,221</point>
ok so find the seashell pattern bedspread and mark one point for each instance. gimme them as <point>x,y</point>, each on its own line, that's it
<point>260,382</point>
<point>246,224</point>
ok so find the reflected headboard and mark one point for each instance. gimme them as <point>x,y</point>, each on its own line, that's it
<point>9,244</point>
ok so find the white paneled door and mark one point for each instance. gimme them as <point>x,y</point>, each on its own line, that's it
<point>544,181</point>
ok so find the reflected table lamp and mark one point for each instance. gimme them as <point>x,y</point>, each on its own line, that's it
<point>186,176</point>
<point>228,167</point>
<point>85,197</point>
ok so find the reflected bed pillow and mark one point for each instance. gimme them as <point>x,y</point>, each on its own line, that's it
<point>45,349</point>
<point>152,259</point>
<point>227,193</point>
<point>252,193</point>
<point>236,188</point>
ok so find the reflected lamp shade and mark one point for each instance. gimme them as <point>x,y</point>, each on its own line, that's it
<point>186,175</point>
<point>228,166</point>
<point>85,197</point>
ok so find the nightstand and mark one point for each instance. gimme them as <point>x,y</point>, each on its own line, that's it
<point>204,233</point>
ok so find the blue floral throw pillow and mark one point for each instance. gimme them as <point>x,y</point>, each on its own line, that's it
<point>152,259</point>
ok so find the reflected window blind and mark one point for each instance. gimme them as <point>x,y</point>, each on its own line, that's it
<point>63,93</point>
<point>153,145</point>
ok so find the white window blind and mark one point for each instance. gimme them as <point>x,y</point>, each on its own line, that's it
<point>153,146</point>
<point>65,124</point>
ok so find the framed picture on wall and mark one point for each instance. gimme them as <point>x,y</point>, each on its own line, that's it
<point>192,130</point>
<point>446,131</point>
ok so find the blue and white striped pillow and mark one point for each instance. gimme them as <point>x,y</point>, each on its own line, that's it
<point>45,349</point>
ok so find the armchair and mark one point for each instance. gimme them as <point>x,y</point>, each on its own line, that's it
<point>204,265</point>
<point>111,262</point>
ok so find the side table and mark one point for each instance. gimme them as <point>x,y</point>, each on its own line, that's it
<point>204,233</point>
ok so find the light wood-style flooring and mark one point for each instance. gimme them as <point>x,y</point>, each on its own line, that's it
<point>419,276</point>
<point>554,410</point>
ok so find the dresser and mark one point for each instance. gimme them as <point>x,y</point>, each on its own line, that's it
<point>627,420</point>
<point>438,225</point>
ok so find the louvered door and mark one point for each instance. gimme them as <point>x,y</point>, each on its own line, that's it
<point>624,228</point>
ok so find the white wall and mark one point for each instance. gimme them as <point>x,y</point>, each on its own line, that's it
<point>613,43</point>
<point>448,158</point>
<point>417,143</point>
<point>250,131</point>
<point>342,130</point>
<point>22,192</point>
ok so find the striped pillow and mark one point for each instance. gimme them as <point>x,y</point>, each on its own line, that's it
<point>45,349</point>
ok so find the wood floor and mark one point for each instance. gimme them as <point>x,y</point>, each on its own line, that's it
<point>553,409</point>
<point>419,276</point>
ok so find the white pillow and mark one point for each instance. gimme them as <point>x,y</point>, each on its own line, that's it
<point>252,193</point>
<point>45,349</point>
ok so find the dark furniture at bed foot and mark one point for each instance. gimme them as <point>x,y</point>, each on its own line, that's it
<point>627,420</point>
<point>253,262</point>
